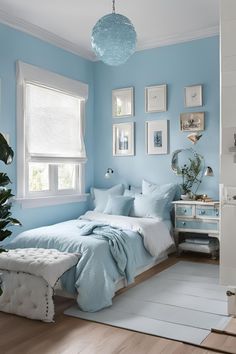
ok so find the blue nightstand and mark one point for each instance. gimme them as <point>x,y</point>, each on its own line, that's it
<point>198,218</point>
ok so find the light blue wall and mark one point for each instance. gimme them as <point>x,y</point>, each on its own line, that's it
<point>195,62</point>
<point>177,65</point>
<point>14,46</point>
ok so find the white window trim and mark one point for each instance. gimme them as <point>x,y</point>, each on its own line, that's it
<point>52,200</point>
<point>29,73</point>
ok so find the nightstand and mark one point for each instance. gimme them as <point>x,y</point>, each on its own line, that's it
<point>202,220</point>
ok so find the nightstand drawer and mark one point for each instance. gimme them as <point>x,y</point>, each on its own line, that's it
<point>204,211</point>
<point>184,210</point>
<point>196,225</point>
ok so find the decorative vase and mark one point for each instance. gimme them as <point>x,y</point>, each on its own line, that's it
<point>185,196</point>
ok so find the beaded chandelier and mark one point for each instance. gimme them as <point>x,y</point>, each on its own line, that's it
<point>114,38</point>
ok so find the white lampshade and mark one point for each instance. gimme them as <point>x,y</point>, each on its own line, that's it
<point>209,172</point>
<point>109,173</point>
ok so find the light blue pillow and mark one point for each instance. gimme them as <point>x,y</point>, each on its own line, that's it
<point>167,191</point>
<point>119,205</point>
<point>146,206</point>
<point>100,196</point>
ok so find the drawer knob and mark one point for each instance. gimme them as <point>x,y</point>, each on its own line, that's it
<point>202,212</point>
<point>185,210</point>
<point>183,223</point>
<point>217,213</point>
<point>230,293</point>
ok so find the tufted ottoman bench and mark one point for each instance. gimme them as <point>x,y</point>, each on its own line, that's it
<point>28,277</point>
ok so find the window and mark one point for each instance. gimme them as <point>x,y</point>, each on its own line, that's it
<point>50,147</point>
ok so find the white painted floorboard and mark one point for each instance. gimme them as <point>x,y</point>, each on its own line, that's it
<point>182,303</point>
<point>168,313</point>
<point>142,324</point>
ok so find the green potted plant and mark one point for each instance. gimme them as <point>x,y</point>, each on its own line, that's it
<point>6,156</point>
<point>191,177</point>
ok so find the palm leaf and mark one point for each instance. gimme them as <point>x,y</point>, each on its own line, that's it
<point>4,234</point>
<point>4,179</point>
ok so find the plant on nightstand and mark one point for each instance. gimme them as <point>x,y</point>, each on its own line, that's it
<point>6,156</point>
<point>190,175</point>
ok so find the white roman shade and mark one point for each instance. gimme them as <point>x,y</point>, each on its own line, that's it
<point>54,131</point>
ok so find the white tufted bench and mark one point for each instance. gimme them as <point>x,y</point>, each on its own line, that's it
<point>28,277</point>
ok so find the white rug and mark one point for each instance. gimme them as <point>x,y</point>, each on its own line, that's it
<point>183,303</point>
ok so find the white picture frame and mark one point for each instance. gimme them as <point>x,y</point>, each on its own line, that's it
<point>192,122</point>
<point>123,139</point>
<point>157,137</point>
<point>123,102</point>
<point>156,98</point>
<point>193,96</point>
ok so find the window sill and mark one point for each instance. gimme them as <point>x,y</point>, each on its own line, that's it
<point>50,200</point>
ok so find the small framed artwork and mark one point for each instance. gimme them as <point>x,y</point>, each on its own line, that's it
<point>193,96</point>
<point>156,98</point>
<point>123,102</point>
<point>123,139</point>
<point>192,122</point>
<point>157,137</point>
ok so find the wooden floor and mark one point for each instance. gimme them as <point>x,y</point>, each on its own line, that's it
<point>70,335</point>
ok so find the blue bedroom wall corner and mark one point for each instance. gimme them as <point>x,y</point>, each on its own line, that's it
<point>16,45</point>
<point>180,65</point>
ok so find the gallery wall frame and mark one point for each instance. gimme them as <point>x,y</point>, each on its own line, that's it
<point>193,96</point>
<point>123,139</point>
<point>157,137</point>
<point>192,122</point>
<point>123,102</point>
<point>156,98</point>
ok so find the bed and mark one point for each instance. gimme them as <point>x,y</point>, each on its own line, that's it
<point>97,277</point>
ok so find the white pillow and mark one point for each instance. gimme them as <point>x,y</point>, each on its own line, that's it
<point>100,196</point>
<point>146,206</point>
<point>168,191</point>
<point>132,192</point>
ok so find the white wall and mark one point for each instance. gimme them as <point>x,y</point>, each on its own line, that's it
<point>228,128</point>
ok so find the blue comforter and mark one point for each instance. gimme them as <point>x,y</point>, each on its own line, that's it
<point>119,244</point>
<point>95,276</point>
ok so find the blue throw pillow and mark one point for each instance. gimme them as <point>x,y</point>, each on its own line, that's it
<point>119,205</point>
<point>100,196</point>
<point>146,206</point>
<point>168,191</point>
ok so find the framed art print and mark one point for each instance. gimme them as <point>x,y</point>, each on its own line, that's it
<point>123,139</point>
<point>192,122</point>
<point>193,96</point>
<point>156,98</point>
<point>123,102</point>
<point>157,137</point>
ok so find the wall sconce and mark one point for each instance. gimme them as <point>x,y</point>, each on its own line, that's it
<point>109,173</point>
<point>194,137</point>
<point>209,172</point>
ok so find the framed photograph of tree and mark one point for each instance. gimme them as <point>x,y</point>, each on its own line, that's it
<point>157,137</point>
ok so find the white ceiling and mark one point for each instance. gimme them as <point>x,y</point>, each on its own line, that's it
<point>68,23</point>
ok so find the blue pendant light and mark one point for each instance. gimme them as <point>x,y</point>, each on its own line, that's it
<point>114,38</point>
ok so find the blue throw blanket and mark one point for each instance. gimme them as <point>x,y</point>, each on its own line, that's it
<point>119,245</point>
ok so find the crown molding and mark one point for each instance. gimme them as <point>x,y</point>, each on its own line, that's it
<point>179,38</point>
<point>47,36</point>
<point>58,41</point>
